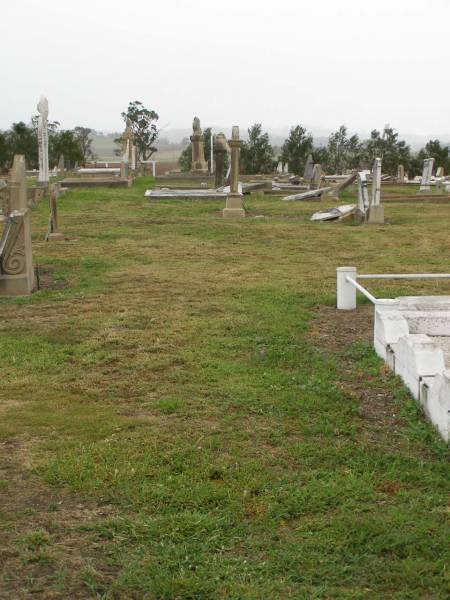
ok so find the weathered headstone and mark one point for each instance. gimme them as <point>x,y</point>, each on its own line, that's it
<point>375,214</point>
<point>220,149</point>
<point>400,174</point>
<point>199,164</point>
<point>440,172</point>
<point>280,168</point>
<point>234,207</point>
<point>61,165</point>
<point>286,168</point>
<point>316,177</point>
<point>425,187</point>
<point>16,261</point>
<point>124,163</point>
<point>363,193</point>
<point>53,233</point>
<point>309,166</point>
<point>43,176</point>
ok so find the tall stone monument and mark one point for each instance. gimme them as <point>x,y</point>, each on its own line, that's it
<point>375,214</point>
<point>220,150</point>
<point>425,185</point>
<point>42,107</point>
<point>199,164</point>
<point>16,261</point>
<point>234,207</point>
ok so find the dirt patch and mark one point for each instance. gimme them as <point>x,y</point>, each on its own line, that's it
<point>44,553</point>
<point>47,280</point>
<point>336,332</point>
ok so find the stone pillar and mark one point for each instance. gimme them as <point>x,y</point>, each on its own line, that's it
<point>316,177</point>
<point>124,162</point>
<point>220,149</point>
<point>234,206</point>
<point>199,164</point>
<point>375,214</point>
<point>309,165</point>
<point>16,260</point>
<point>401,174</point>
<point>43,177</point>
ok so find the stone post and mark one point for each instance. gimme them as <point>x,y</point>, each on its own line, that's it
<point>401,174</point>
<point>220,149</point>
<point>53,231</point>
<point>375,215</point>
<point>16,260</point>
<point>234,206</point>
<point>199,164</point>
<point>42,107</point>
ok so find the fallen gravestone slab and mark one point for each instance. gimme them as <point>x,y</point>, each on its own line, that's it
<point>310,195</point>
<point>334,214</point>
<point>166,194</point>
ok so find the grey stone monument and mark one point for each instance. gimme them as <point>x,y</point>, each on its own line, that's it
<point>309,165</point>
<point>199,164</point>
<point>234,207</point>
<point>425,185</point>
<point>220,149</point>
<point>316,177</point>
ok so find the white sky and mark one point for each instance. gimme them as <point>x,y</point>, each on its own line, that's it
<point>315,62</point>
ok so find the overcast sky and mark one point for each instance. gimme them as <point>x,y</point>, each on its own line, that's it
<point>317,62</point>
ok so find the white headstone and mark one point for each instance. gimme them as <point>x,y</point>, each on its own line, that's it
<point>42,107</point>
<point>428,165</point>
<point>376,182</point>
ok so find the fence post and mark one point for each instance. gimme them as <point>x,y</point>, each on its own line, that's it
<point>346,292</point>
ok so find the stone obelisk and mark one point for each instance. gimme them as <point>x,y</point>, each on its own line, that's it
<point>42,107</point>
<point>234,206</point>
<point>199,164</point>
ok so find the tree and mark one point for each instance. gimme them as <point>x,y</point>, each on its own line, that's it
<point>257,155</point>
<point>343,152</point>
<point>441,155</point>
<point>64,142</point>
<point>22,139</point>
<point>296,148</point>
<point>143,124</point>
<point>389,148</point>
<point>82,135</point>
<point>4,149</point>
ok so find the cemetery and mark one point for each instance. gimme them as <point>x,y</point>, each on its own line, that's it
<point>225,370</point>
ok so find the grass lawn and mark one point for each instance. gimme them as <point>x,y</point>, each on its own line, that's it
<point>184,415</point>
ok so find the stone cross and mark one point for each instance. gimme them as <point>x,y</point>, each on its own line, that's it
<point>199,164</point>
<point>425,186</point>
<point>220,149</point>
<point>234,207</point>
<point>16,261</point>
<point>42,107</point>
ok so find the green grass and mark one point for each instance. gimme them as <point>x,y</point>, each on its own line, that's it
<point>173,379</point>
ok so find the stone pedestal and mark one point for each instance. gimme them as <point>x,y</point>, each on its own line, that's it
<point>375,215</point>
<point>234,207</point>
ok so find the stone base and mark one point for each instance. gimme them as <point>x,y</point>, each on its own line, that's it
<point>234,206</point>
<point>54,237</point>
<point>17,285</point>
<point>375,215</point>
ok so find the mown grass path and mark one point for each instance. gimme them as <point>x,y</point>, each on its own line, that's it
<point>174,426</point>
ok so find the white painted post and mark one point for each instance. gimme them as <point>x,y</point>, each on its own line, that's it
<point>346,292</point>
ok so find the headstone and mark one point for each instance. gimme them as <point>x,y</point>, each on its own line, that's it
<point>309,166</point>
<point>425,187</point>
<point>440,172</point>
<point>124,163</point>
<point>220,149</point>
<point>43,176</point>
<point>363,194</point>
<point>400,174</point>
<point>61,167</point>
<point>286,168</point>
<point>316,177</point>
<point>234,207</point>
<point>199,164</point>
<point>16,261</point>
<point>375,214</point>
<point>53,233</point>
<point>280,168</point>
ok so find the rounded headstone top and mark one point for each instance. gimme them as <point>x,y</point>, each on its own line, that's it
<point>43,107</point>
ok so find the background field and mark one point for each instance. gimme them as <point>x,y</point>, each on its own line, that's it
<point>184,415</point>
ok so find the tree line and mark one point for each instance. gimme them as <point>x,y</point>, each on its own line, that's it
<point>21,138</point>
<point>341,154</point>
